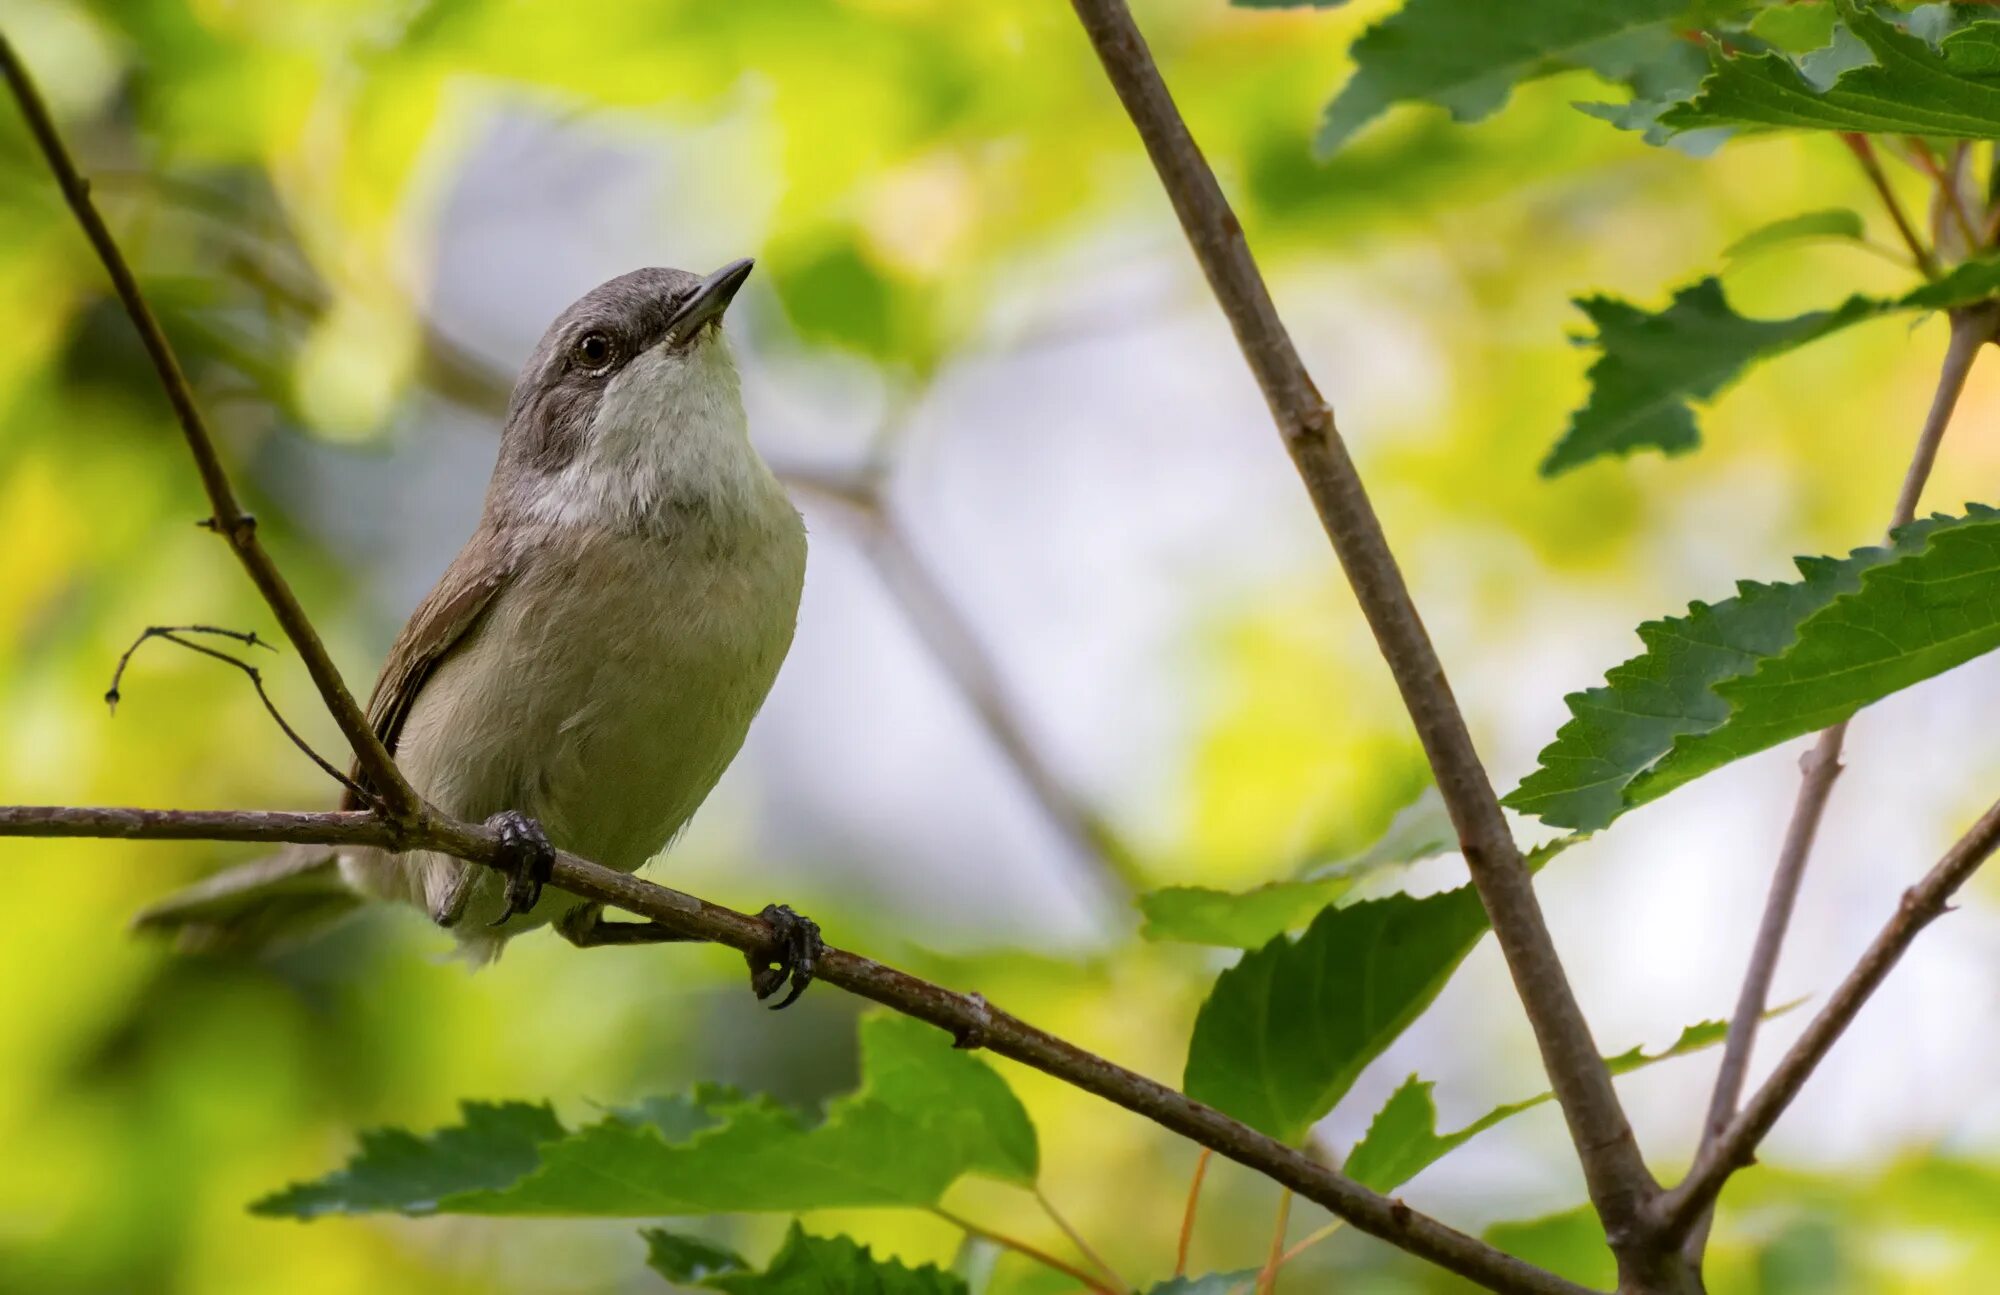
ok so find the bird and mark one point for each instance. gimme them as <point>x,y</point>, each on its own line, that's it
<point>589,663</point>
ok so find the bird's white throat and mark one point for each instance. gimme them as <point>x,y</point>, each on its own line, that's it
<point>669,433</point>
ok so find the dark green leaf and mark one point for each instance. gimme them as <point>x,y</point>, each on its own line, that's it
<point>1910,87</point>
<point>1926,611</point>
<point>496,1145</point>
<point>924,1115</point>
<point>1286,1030</point>
<point>805,1265</point>
<point>686,1260</point>
<point>1776,661</point>
<point>1652,366</point>
<point>1403,1140</point>
<point>1834,222</point>
<point>1248,919</point>
<point>1467,55</point>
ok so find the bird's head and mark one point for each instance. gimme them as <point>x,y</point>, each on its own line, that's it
<point>630,404</point>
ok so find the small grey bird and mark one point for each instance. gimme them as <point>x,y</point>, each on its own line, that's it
<point>588,665</point>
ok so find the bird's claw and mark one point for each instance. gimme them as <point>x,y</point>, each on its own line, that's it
<point>793,955</point>
<point>527,858</point>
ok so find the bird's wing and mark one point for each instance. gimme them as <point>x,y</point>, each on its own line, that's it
<point>440,622</point>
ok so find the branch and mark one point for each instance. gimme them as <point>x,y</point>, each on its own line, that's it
<point>1620,1185</point>
<point>1864,153</point>
<point>172,634</point>
<point>227,518</point>
<point>967,1017</point>
<point>1681,1208</point>
<point>1970,331</point>
<point>956,646</point>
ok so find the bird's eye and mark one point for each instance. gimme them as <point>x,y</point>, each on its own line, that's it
<point>593,350</point>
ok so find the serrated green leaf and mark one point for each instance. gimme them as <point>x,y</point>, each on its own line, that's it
<point>1467,55</point>
<point>924,1115</point>
<point>1652,366</point>
<point>1402,1141</point>
<point>494,1145</point>
<point>1642,114</point>
<point>1775,661</point>
<point>1248,919</point>
<point>1911,87</point>
<point>1914,617</point>
<point>1834,222</point>
<point>686,1260</point>
<point>805,1265</point>
<point>1285,1032</point>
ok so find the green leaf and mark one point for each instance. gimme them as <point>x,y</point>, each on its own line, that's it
<point>805,1265</point>
<point>1910,87</point>
<point>1915,617</point>
<point>1285,1031</point>
<point>924,1115</point>
<point>1774,662</point>
<point>686,1260</point>
<point>1403,1140</point>
<point>494,1146</point>
<point>1834,222</point>
<point>1652,366</point>
<point>1248,919</point>
<point>1467,55</point>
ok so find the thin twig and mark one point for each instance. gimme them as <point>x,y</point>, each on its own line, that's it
<point>1619,1183</point>
<point>1311,1239</point>
<point>172,634</point>
<point>1864,152</point>
<point>1970,331</point>
<point>966,1017</point>
<point>1020,1247</point>
<point>227,517</point>
<point>1681,1209</point>
<point>1946,180</point>
<point>1076,1239</point>
<point>1188,1215</point>
<point>957,647</point>
<point>248,638</point>
<point>1267,1279</point>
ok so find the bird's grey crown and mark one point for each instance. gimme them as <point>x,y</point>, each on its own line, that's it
<point>555,395</point>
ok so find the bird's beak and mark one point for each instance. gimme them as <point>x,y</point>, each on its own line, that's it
<point>710,298</point>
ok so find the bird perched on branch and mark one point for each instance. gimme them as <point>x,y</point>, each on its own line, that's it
<point>589,663</point>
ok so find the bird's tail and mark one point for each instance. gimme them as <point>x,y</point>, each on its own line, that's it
<point>273,902</point>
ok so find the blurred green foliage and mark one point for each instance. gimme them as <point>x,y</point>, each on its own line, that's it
<point>278,173</point>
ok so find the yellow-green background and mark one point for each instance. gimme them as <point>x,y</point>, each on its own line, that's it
<point>957,235</point>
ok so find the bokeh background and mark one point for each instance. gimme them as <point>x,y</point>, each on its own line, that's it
<point>1069,622</point>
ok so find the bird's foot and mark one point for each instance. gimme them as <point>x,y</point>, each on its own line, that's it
<point>792,956</point>
<point>526,857</point>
